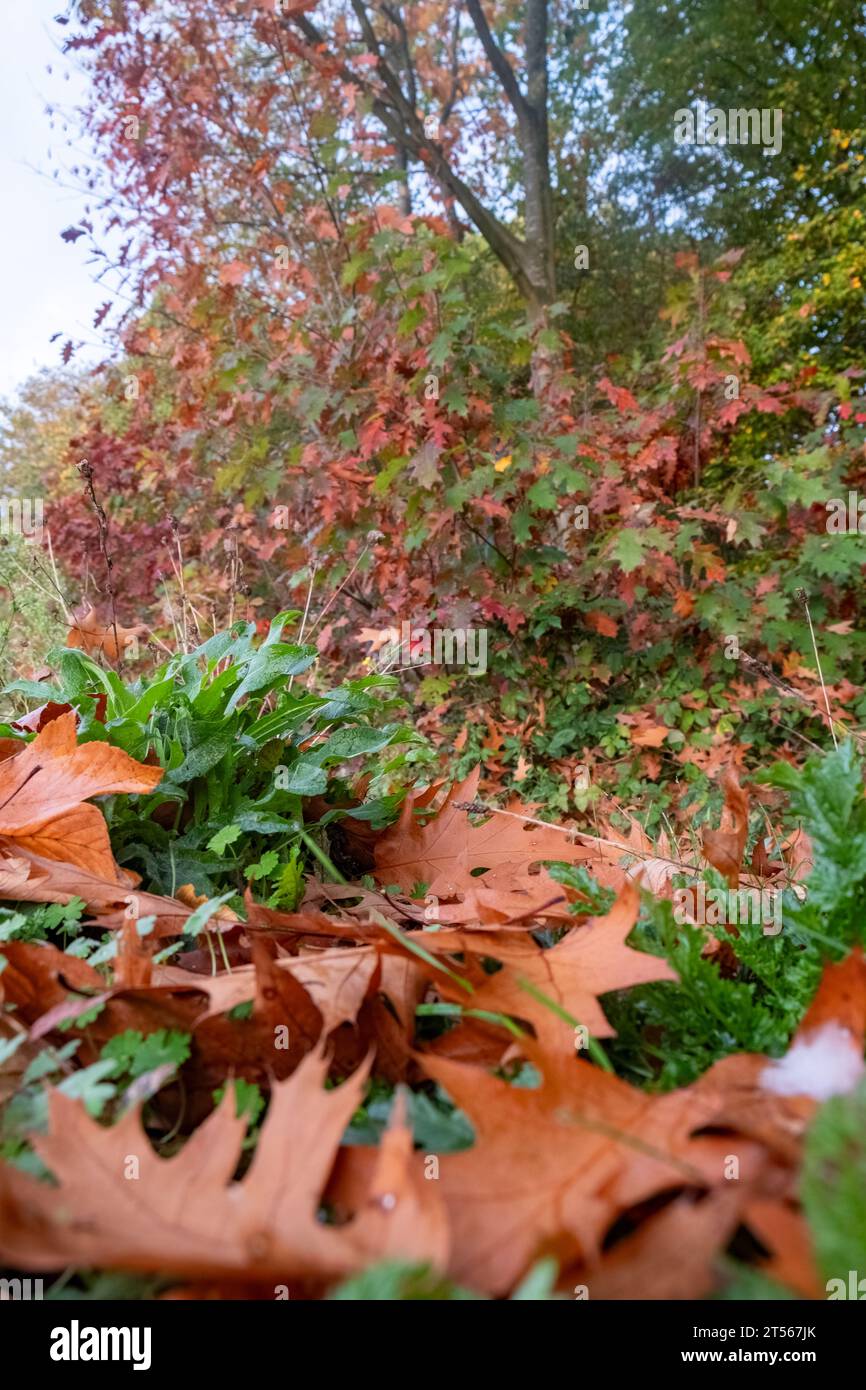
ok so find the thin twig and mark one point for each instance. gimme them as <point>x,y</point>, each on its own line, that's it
<point>85,468</point>
<point>484,808</point>
<point>801,594</point>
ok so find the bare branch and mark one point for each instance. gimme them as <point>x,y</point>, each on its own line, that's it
<point>497,59</point>
<point>392,108</point>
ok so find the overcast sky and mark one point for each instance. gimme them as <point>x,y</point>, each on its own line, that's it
<point>47,286</point>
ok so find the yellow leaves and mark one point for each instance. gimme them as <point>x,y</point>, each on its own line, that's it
<point>501,465</point>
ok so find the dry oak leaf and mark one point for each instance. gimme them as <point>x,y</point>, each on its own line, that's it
<point>36,720</point>
<point>305,922</point>
<point>38,977</point>
<point>590,960</point>
<point>94,636</point>
<point>651,737</point>
<point>503,897</point>
<point>553,1168</point>
<point>133,963</point>
<point>447,847</point>
<point>30,878</point>
<point>337,980</point>
<point>44,791</point>
<point>186,1216</point>
<point>786,1235</point>
<point>361,900</point>
<point>671,1255</point>
<point>284,1026</point>
<point>725,847</point>
<point>49,987</point>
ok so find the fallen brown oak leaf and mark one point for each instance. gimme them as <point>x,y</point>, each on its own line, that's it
<point>552,1168</point>
<point>672,1256</point>
<point>44,791</point>
<point>95,637</point>
<point>49,987</point>
<point>36,719</point>
<point>186,1216</point>
<point>725,847</point>
<point>283,1027</point>
<point>785,1234</point>
<point>502,898</point>
<point>28,877</point>
<point>337,979</point>
<point>446,848</point>
<point>541,986</point>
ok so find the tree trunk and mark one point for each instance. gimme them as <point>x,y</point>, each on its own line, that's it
<point>537,281</point>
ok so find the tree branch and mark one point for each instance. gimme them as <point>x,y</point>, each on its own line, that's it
<point>403,124</point>
<point>497,59</point>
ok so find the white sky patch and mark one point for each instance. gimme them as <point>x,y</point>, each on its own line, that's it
<point>827,1062</point>
<point>48,287</point>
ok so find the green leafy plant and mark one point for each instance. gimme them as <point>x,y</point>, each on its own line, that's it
<point>245,754</point>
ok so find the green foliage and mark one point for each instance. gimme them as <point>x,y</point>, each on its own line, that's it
<point>404,1283</point>
<point>41,921</point>
<point>827,796</point>
<point>668,1034</point>
<point>396,1281</point>
<point>243,751</point>
<point>133,1055</point>
<point>833,1188</point>
<point>249,1100</point>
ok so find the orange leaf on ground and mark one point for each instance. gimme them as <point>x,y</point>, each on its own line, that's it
<point>785,1234</point>
<point>553,1168</point>
<point>590,960</point>
<point>337,981</point>
<point>29,878</point>
<point>725,847</point>
<point>185,1215</point>
<point>672,1255</point>
<point>447,847</point>
<point>652,737</point>
<point>44,786</point>
<point>503,897</point>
